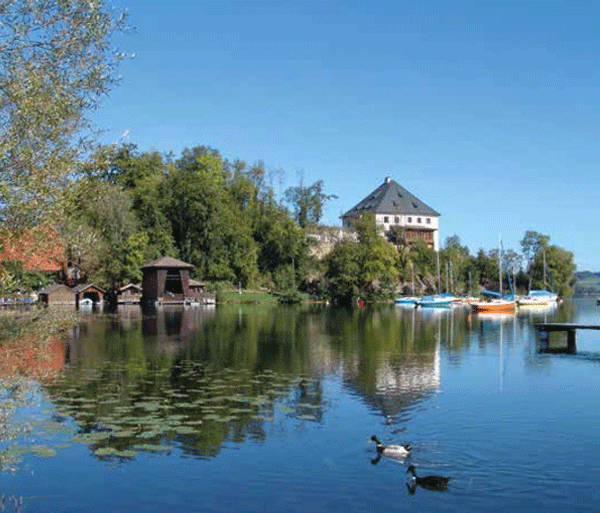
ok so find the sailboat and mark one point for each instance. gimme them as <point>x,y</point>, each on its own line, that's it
<point>540,297</point>
<point>408,300</point>
<point>497,303</point>
<point>436,300</point>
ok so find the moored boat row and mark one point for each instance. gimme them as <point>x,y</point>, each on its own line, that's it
<point>505,304</point>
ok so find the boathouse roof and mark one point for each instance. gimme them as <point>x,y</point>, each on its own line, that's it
<point>167,262</point>
<point>55,287</point>
<point>83,287</point>
<point>393,199</point>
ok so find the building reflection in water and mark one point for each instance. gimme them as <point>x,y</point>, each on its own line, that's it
<point>392,374</point>
<point>171,322</point>
<point>170,327</point>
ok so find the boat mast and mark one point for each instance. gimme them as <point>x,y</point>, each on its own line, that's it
<point>500,262</point>
<point>439,281</point>
<point>447,280</point>
<point>470,285</point>
<point>544,256</point>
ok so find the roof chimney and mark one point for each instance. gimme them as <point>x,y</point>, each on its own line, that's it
<point>387,179</point>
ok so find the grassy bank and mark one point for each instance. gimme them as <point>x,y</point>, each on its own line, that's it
<point>254,297</point>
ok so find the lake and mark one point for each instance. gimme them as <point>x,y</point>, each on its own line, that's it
<point>270,409</point>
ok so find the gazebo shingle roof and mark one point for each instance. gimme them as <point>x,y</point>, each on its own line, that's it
<point>167,262</point>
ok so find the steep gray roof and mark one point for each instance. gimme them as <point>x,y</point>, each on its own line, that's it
<point>393,199</point>
<point>167,262</point>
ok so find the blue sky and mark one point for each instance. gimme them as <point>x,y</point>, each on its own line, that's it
<point>489,112</point>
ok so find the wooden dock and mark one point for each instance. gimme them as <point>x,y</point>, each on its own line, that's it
<point>545,328</point>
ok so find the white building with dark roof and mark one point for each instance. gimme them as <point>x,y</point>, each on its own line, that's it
<point>394,206</point>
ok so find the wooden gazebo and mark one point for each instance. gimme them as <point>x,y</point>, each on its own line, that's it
<point>167,281</point>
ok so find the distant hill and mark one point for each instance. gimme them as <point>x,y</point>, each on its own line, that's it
<point>588,283</point>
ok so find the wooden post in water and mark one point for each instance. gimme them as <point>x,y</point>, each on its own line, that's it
<point>544,330</point>
<point>572,341</point>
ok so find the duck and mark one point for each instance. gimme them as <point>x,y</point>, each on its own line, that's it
<point>392,451</point>
<point>429,482</point>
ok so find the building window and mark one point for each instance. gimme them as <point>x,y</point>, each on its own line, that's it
<point>428,220</point>
<point>386,219</point>
<point>418,220</point>
<point>409,219</point>
<point>396,220</point>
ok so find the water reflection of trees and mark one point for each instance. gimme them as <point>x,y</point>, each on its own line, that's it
<point>187,379</point>
<point>196,378</point>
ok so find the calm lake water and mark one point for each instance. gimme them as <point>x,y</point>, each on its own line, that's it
<point>269,409</point>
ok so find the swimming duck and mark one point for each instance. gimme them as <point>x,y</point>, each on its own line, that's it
<point>392,451</point>
<point>429,482</point>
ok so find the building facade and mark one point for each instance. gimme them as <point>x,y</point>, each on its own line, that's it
<point>397,211</point>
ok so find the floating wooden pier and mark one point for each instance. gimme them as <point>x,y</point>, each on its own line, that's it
<point>545,328</point>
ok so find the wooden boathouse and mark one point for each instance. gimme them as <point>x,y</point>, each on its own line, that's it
<point>57,294</point>
<point>167,281</point>
<point>89,291</point>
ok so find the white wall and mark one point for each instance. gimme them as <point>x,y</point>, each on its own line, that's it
<point>412,221</point>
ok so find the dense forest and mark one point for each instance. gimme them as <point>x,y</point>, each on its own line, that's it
<point>127,207</point>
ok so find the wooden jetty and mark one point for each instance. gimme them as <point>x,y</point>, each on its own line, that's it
<point>545,328</point>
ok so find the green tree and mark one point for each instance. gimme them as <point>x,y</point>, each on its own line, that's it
<point>209,230</point>
<point>128,258</point>
<point>531,243</point>
<point>55,66</point>
<point>558,273</point>
<point>101,231</point>
<point>425,266</point>
<point>343,272</point>
<point>367,267</point>
<point>486,269</point>
<point>378,259</point>
<point>144,176</point>
<point>457,259</point>
<point>307,202</point>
